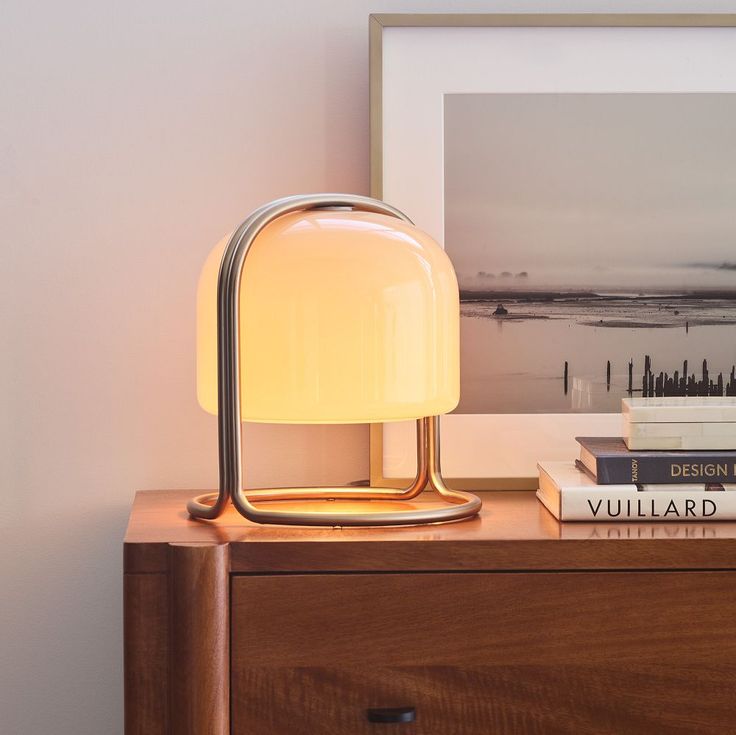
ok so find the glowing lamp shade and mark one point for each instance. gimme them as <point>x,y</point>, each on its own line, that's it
<point>345,317</point>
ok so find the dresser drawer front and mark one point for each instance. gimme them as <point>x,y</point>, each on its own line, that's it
<point>635,652</point>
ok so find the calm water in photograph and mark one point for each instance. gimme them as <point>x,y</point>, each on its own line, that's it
<point>515,363</point>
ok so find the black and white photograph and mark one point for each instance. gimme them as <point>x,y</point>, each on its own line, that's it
<point>594,240</point>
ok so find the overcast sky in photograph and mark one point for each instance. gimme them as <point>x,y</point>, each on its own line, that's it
<point>540,182</point>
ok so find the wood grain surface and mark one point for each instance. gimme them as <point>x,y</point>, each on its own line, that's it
<point>510,623</point>
<point>487,700</point>
<point>482,619</point>
<point>199,640</point>
<point>146,650</point>
<point>513,532</point>
<point>606,652</point>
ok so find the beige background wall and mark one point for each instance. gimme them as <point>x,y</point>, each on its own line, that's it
<point>134,135</point>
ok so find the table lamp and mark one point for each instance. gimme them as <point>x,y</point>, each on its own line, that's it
<point>347,313</point>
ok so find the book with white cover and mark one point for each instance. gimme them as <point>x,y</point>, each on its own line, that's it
<point>679,435</point>
<point>680,443</point>
<point>683,409</point>
<point>571,495</point>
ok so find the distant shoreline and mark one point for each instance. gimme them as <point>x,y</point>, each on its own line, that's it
<point>469,296</point>
<point>692,322</point>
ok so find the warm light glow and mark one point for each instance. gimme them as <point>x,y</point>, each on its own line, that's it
<point>345,317</point>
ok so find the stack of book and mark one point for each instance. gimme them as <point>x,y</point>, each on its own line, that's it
<point>676,461</point>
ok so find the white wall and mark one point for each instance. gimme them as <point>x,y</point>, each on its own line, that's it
<point>135,134</point>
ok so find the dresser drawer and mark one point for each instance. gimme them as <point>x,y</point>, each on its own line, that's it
<point>485,653</point>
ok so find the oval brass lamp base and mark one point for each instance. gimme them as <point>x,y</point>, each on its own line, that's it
<point>392,507</point>
<point>322,512</point>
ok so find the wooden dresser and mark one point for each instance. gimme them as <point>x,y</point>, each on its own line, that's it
<point>508,623</point>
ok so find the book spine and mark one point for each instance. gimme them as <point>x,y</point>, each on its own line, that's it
<point>617,506</point>
<point>639,469</point>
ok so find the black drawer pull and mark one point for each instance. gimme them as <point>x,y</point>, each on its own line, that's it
<point>391,714</point>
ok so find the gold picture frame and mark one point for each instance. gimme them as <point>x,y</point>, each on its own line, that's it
<point>377,25</point>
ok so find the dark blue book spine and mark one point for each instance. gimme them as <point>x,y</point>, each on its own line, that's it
<point>643,469</point>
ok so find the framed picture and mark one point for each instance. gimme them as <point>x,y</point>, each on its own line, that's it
<point>580,171</point>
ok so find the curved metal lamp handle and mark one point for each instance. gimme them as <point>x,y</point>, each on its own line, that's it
<point>229,399</point>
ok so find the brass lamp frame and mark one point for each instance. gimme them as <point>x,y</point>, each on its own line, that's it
<point>458,504</point>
